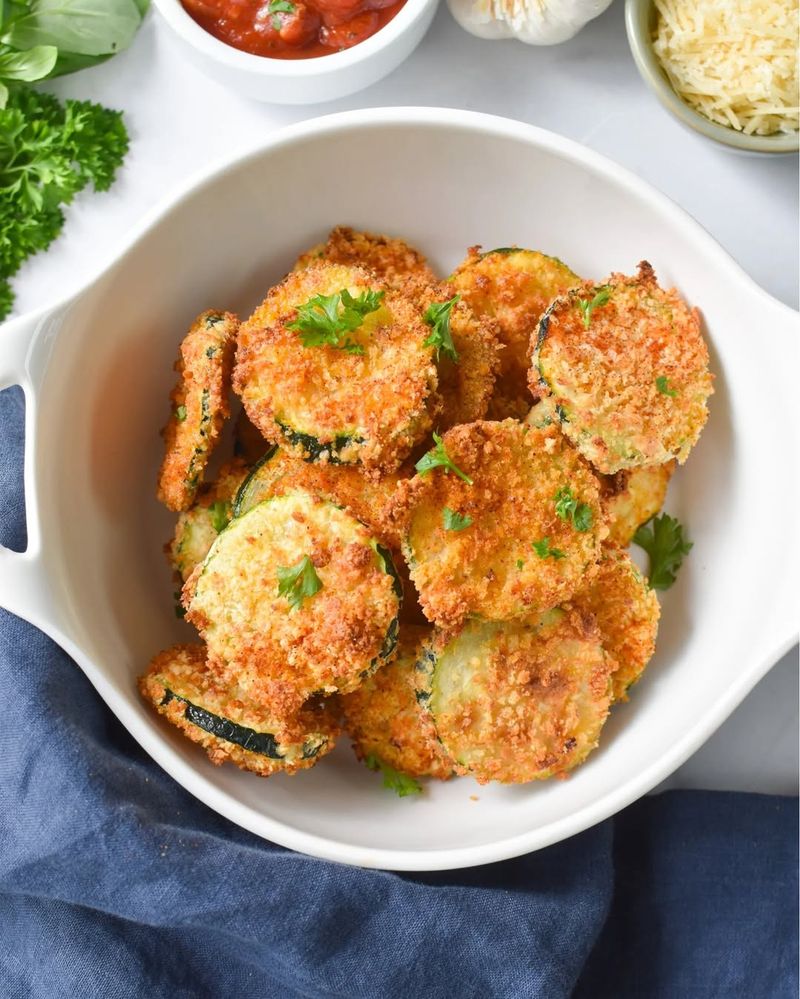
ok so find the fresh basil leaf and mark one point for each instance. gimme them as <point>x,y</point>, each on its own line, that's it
<point>82,27</point>
<point>33,64</point>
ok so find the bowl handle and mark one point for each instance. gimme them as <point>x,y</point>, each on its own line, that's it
<point>25,587</point>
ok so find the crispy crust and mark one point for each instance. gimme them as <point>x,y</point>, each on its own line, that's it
<point>384,717</point>
<point>604,378</point>
<point>514,287</point>
<point>370,409</point>
<point>279,654</point>
<point>183,670</point>
<point>528,699</point>
<point>517,471</point>
<point>393,260</point>
<point>202,390</point>
<point>626,611</point>
<point>632,497</point>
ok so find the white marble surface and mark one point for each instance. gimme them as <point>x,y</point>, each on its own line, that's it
<point>587,89</point>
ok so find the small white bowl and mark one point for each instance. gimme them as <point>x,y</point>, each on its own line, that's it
<point>302,81</point>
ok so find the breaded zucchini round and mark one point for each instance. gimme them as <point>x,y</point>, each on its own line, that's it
<point>206,704</point>
<point>295,597</point>
<point>198,527</point>
<point>368,500</point>
<point>626,368</point>
<point>336,369</point>
<point>384,719</point>
<point>393,260</point>
<point>514,286</point>
<point>626,611</point>
<point>632,497</point>
<point>520,539</point>
<point>519,701</point>
<point>199,406</point>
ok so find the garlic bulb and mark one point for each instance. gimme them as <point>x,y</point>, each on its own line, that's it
<point>536,22</point>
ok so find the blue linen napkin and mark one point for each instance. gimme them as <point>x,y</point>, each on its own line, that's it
<point>116,883</point>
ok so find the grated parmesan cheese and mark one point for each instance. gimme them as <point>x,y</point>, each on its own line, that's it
<point>734,61</point>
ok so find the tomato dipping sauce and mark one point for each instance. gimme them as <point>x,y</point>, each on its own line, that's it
<point>292,29</point>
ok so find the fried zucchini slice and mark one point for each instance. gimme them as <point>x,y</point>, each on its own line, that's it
<point>199,406</point>
<point>625,367</point>
<point>384,718</point>
<point>295,597</point>
<point>514,286</point>
<point>518,540</point>
<point>626,611</point>
<point>362,399</point>
<point>393,260</point>
<point>368,500</point>
<point>198,527</point>
<point>632,497</point>
<point>207,705</point>
<point>520,701</point>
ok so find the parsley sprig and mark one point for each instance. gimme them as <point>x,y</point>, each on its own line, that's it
<point>569,508</point>
<point>663,540</point>
<point>325,320</point>
<point>587,306</point>
<point>279,7</point>
<point>297,582</point>
<point>393,780</point>
<point>662,385</point>
<point>437,316</point>
<point>454,521</point>
<point>543,549</point>
<point>438,457</point>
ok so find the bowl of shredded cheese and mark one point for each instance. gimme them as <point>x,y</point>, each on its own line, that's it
<point>726,68</point>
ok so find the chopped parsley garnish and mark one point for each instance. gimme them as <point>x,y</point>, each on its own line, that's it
<point>587,306</point>
<point>180,414</point>
<point>279,7</point>
<point>543,549</point>
<point>438,457</point>
<point>437,316</point>
<point>662,538</point>
<point>568,508</point>
<point>220,515</point>
<point>520,564</point>
<point>400,783</point>
<point>455,521</point>
<point>325,320</point>
<point>296,582</point>
<point>662,384</point>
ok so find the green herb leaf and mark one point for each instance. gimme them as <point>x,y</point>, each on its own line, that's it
<point>437,316</point>
<point>298,582</point>
<point>455,521</point>
<point>543,549</point>
<point>220,515</point>
<point>438,457</point>
<point>666,547</point>
<point>180,414</point>
<point>325,320</point>
<point>662,384</point>
<point>33,64</point>
<point>520,563</point>
<point>279,7</point>
<point>569,508</point>
<point>82,27</point>
<point>393,780</point>
<point>587,306</point>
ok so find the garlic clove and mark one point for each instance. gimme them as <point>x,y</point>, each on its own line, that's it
<point>535,22</point>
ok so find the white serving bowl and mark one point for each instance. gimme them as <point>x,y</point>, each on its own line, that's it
<point>302,81</point>
<point>96,371</point>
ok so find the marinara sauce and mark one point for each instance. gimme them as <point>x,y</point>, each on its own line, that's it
<point>292,29</point>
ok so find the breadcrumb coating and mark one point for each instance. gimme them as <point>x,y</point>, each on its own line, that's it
<point>632,497</point>
<point>199,406</point>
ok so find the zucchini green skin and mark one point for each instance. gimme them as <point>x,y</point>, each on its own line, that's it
<point>314,449</point>
<point>241,501</point>
<point>263,743</point>
<point>393,631</point>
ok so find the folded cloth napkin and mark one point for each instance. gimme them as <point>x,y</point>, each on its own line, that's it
<point>116,883</point>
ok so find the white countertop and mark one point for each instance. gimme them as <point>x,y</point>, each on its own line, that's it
<point>587,89</point>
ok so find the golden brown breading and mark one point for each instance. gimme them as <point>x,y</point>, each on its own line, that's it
<point>628,377</point>
<point>383,717</point>
<point>327,403</point>
<point>519,701</point>
<point>282,653</point>
<point>626,611</point>
<point>210,709</point>
<point>514,286</point>
<point>393,260</point>
<point>632,497</point>
<point>491,568</point>
<point>199,406</point>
